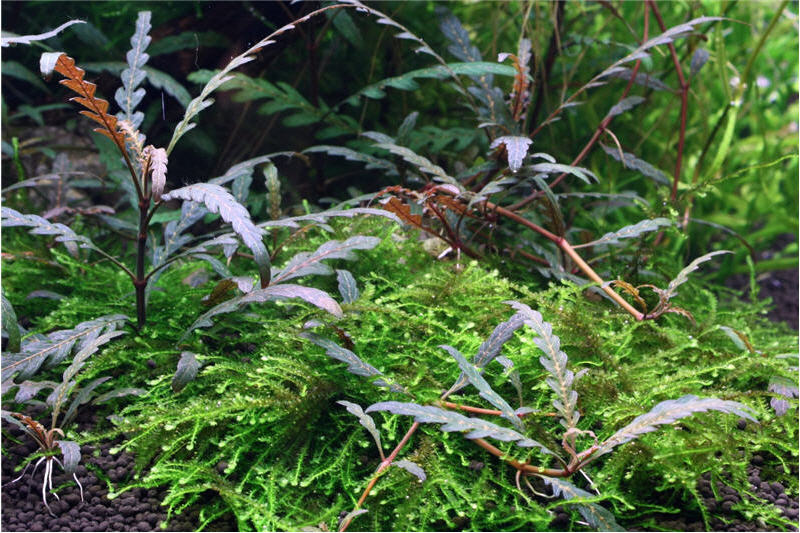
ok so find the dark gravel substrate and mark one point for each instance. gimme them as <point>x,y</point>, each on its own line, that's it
<point>134,510</point>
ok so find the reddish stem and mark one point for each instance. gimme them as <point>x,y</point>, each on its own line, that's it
<point>599,131</point>
<point>570,251</point>
<point>684,85</point>
<point>482,411</point>
<point>386,463</point>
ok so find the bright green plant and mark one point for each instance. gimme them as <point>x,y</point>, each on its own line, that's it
<point>576,454</point>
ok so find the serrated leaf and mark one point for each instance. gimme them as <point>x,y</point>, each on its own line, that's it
<point>597,516</point>
<point>352,514</point>
<point>188,40</point>
<point>407,81</point>
<point>28,389</point>
<point>683,275</point>
<point>422,163</point>
<point>9,39</point>
<point>557,168</point>
<point>634,163</point>
<point>738,338</point>
<point>344,24</point>
<point>9,322</point>
<point>49,295</point>
<point>371,162</point>
<point>644,79</point>
<point>83,396</point>
<point>516,147</point>
<point>347,286</point>
<point>551,205</point>
<point>624,105</point>
<point>493,187</point>
<point>365,420</point>
<point>412,468</point>
<point>157,158</point>
<point>53,348</point>
<point>88,348</point>
<point>42,226</point>
<point>490,348</point>
<point>699,58</point>
<point>217,200</point>
<point>485,390</point>
<point>461,47</point>
<point>323,216</point>
<point>354,363</point>
<point>71,453</point>
<point>203,100</point>
<point>555,362</point>
<point>452,421</point>
<point>513,375</point>
<point>629,232</point>
<point>313,296</point>
<point>670,411</point>
<point>784,387</point>
<point>127,96</point>
<point>308,263</point>
<point>188,365</point>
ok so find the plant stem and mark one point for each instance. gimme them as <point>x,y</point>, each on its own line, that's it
<point>482,411</point>
<point>739,93</point>
<point>386,463</point>
<point>528,469</point>
<point>684,86</point>
<point>570,251</point>
<point>140,283</point>
<point>599,131</point>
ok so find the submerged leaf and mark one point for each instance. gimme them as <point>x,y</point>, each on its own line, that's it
<point>71,453</point>
<point>629,232</point>
<point>347,286</point>
<point>411,468</point>
<point>485,390</point>
<point>422,163</point>
<point>365,420</point>
<point>313,296</point>
<point>323,216</point>
<point>308,263</point>
<point>670,411</point>
<point>558,168</point>
<point>28,39</point>
<point>53,348</point>
<point>42,226</point>
<point>699,59</point>
<point>10,326</point>
<point>354,363</point>
<point>516,148</point>
<point>157,158</point>
<point>683,275</point>
<point>452,421</point>
<point>555,362</point>
<point>127,96</point>
<point>218,200</point>
<point>634,163</point>
<point>597,516</point>
<point>784,387</point>
<point>490,348</point>
<point>624,105</point>
<point>188,365</point>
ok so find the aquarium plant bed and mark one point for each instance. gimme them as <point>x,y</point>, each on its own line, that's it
<point>524,266</point>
